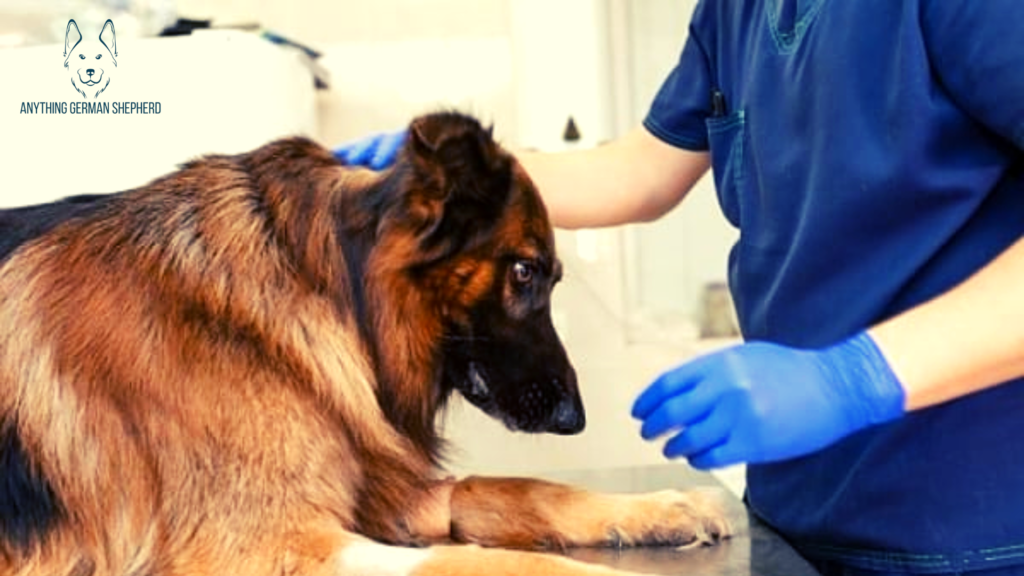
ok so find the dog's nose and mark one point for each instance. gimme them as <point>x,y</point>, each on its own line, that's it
<point>90,71</point>
<point>568,417</point>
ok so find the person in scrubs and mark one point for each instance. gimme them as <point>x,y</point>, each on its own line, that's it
<point>871,154</point>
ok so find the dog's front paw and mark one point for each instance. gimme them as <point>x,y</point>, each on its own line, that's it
<point>673,517</point>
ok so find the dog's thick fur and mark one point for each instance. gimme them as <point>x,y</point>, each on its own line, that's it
<point>236,369</point>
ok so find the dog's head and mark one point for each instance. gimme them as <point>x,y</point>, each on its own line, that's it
<point>485,266</point>
<point>90,62</point>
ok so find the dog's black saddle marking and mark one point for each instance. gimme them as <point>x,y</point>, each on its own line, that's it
<point>19,225</point>
<point>28,505</point>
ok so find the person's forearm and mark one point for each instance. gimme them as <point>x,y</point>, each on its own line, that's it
<point>634,179</point>
<point>968,339</point>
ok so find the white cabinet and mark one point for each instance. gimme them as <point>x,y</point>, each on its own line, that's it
<point>218,91</point>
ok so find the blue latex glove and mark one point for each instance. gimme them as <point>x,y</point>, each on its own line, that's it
<point>761,402</point>
<point>376,152</point>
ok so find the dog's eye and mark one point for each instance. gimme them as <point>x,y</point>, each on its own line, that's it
<point>82,56</point>
<point>522,272</point>
<point>98,56</point>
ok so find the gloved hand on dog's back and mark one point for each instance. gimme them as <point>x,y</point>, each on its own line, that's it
<point>377,151</point>
<point>761,402</point>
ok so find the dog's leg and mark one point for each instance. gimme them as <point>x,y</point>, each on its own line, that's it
<point>334,553</point>
<point>527,513</point>
<point>367,558</point>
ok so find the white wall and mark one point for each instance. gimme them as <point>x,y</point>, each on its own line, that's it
<point>392,59</point>
<point>676,256</point>
<point>209,106</point>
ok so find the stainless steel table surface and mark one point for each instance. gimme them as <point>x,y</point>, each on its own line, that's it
<point>754,549</point>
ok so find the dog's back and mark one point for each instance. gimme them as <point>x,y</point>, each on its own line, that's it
<point>18,225</point>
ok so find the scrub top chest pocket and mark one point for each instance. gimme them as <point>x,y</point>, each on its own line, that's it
<point>727,140</point>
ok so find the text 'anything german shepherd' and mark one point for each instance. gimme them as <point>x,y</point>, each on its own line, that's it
<point>236,369</point>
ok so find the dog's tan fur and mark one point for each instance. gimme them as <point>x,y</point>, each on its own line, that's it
<point>190,371</point>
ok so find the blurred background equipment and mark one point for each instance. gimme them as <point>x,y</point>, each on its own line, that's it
<point>32,22</point>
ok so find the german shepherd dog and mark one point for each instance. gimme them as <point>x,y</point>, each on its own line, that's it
<point>236,369</point>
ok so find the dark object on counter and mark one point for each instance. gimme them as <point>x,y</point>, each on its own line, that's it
<point>185,26</point>
<point>571,133</point>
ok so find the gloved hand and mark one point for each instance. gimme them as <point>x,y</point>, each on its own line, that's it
<point>377,151</point>
<point>761,402</point>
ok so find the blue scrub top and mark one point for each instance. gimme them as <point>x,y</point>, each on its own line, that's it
<point>870,153</point>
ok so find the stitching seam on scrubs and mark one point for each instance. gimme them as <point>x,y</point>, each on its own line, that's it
<point>678,140</point>
<point>719,125</point>
<point>882,555</point>
<point>868,559</point>
<point>1002,553</point>
<point>786,42</point>
<point>736,156</point>
<point>871,559</point>
<point>1002,549</point>
<point>735,122</point>
<point>1003,557</point>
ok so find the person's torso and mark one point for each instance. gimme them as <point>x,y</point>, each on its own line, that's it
<point>861,189</point>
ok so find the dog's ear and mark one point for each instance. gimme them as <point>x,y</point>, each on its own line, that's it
<point>72,37</point>
<point>463,178</point>
<point>109,39</point>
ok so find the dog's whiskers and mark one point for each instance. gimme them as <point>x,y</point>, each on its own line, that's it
<point>79,90</point>
<point>100,91</point>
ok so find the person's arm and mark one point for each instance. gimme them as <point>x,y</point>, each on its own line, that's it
<point>966,340</point>
<point>761,402</point>
<point>972,337</point>
<point>636,178</point>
